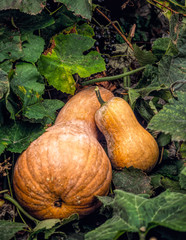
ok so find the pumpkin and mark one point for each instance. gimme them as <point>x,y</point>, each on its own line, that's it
<point>128,143</point>
<point>83,106</point>
<point>62,171</point>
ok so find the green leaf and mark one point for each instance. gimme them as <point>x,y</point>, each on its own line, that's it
<point>27,83</point>
<point>10,45</point>
<point>67,59</point>
<point>6,66</point>
<point>26,6</point>
<point>79,7</point>
<point>44,109</point>
<point>132,180</point>
<point>171,119</point>
<point>9,229</point>
<point>4,83</point>
<point>32,47</point>
<point>183,150</point>
<point>144,57</point>
<point>182,178</point>
<point>132,212</point>
<point>163,139</point>
<point>133,96</point>
<point>49,226</point>
<point>172,69</point>
<point>17,136</point>
<point>164,46</point>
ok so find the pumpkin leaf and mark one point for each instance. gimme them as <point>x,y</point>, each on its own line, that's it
<point>4,83</point>
<point>79,7</point>
<point>27,83</point>
<point>9,229</point>
<point>67,59</point>
<point>132,180</point>
<point>132,212</point>
<point>16,137</point>
<point>28,6</point>
<point>175,125</point>
<point>44,109</point>
<point>32,47</point>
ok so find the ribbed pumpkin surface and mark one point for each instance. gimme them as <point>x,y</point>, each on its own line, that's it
<point>61,172</point>
<point>128,143</point>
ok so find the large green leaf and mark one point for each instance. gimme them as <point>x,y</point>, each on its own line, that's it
<point>44,109</point>
<point>79,7</point>
<point>171,119</point>
<point>4,83</point>
<point>132,212</point>
<point>9,229</point>
<point>27,83</point>
<point>10,45</point>
<point>32,47</point>
<point>27,6</point>
<point>67,58</point>
<point>17,137</point>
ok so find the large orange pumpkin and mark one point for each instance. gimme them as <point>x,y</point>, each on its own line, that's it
<point>62,171</point>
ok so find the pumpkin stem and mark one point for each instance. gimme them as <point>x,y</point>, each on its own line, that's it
<point>10,199</point>
<point>98,95</point>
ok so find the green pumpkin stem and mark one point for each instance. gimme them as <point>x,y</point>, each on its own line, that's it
<point>98,95</point>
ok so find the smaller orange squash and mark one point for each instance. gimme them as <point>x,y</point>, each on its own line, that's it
<point>128,143</point>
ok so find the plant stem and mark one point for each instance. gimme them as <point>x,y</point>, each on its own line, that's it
<point>3,191</point>
<point>98,95</point>
<point>13,201</point>
<point>112,77</point>
<point>121,34</point>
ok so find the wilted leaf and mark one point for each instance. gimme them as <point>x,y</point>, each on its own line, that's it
<point>67,59</point>
<point>4,83</point>
<point>171,119</point>
<point>9,229</point>
<point>132,212</point>
<point>132,180</point>
<point>44,109</point>
<point>79,7</point>
<point>32,47</point>
<point>27,83</point>
<point>27,6</point>
<point>17,137</point>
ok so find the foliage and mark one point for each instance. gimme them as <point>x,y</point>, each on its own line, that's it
<point>175,126</point>
<point>132,213</point>
<point>46,47</point>
<point>8,229</point>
